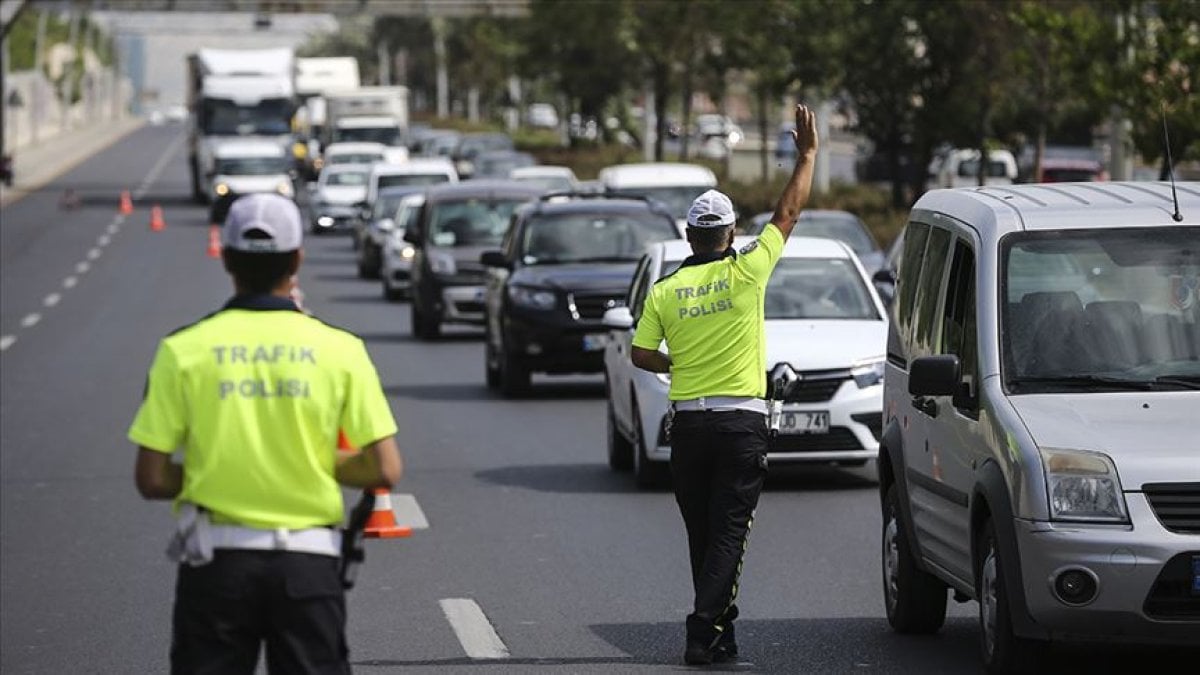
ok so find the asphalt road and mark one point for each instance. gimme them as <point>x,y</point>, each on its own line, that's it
<point>573,568</point>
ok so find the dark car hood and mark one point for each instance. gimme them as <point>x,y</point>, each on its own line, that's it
<point>613,277</point>
<point>466,258</point>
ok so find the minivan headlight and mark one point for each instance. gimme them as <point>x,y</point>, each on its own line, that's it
<point>1083,486</point>
<point>867,372</point>
<point>533,298</point>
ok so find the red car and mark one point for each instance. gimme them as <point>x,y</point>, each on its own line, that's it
<point>1065,170</point>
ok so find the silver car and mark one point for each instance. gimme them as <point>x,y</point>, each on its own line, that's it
<point>1041,444</point>
<point>397,255</point>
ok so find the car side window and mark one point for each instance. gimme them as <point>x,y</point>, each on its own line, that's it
<point>641,285</point>
<point>928,293</point>
<point>958,324</point>
<point>914,247</point>
<point>509,246</point>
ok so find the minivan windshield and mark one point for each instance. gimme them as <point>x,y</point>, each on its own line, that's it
<point>471,222</point>
<point>1111,309</point>
<point>251,166</point>
<point>677,199</point>
<point>592,237</point>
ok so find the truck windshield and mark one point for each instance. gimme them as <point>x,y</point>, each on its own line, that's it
<point>592,237</point>
<point>471,222</point>
<point>251,166</point>
<point>415,179</point>
<point>1101,308</point>
<point>222,117</point>
<point>385,135</point>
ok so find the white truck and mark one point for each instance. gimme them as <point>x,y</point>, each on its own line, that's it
<point>317,77</point>
<point>371,114</point>
<point>237,93</point>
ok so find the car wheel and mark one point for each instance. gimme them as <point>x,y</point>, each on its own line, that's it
<point>646,473</point>
<point>417,319</point>
<point>364,270</point>
<point>514,377</point>
<point>392,294</point>
<point>620,450</point>
<point>915,599</point>
<point>425,326</point>
<point>1002,651</point>
<point>491,367</point>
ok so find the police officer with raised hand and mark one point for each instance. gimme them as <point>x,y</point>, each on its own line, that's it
<point>710,314</point>
<point>254,395</point>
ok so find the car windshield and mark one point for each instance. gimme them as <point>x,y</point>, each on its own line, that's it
<point>677,199</point>
<point>413,179</point>
<point>386,206</point>
<point>471,222</point>
<point>251,166</point>
<point>355,158</point>
<point>501,167</point>
<point>385,135</point>
<point>818,288</point>
<point>844,228</point>
<point>474,145</point>
<point>549,183</point>
<point>592,237</point>
<point>1101,308</point>
<point>355,178</point>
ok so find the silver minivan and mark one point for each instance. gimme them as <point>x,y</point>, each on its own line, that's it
<point>1041,444</point>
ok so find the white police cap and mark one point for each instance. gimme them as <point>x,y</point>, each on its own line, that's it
<point>263,223</point>
<point>711,210</point>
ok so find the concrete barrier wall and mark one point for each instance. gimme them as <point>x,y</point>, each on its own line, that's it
<point>42,115</point>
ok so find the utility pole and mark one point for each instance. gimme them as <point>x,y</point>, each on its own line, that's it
<point>39,44</point>
<point>385,65</point>
<point>66,88</point>
<point>439,54</point>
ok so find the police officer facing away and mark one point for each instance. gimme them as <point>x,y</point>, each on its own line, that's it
<point>710,313</point>
<point>254,395</point>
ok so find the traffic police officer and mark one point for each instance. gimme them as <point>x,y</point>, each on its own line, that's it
<point>254,395</point>
<point>710,313</point>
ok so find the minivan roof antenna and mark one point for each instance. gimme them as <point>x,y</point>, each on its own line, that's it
<point>1177,216</point>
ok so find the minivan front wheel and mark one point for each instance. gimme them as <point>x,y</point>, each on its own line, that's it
<point>915,599</point>
<point>1002,651</point>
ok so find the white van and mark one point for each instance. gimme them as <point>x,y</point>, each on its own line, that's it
<point>673,184</point>
<point>960,168</point>
<point>245,166</point>
<point>412,173</point>
<point>1041,443</point>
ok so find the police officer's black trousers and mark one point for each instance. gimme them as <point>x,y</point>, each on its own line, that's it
<point>718,462</point>
<point>225,610</point>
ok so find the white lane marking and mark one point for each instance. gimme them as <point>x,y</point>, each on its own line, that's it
<point>158,167</point>
<point>70,282</point>
<point>408,512</point>
<point>103,240</point>
<point>479,640</point>
<point>94,253</point>
<point>51,300</point>
<point>31,320</point>
<point>113,229</point>
<point>82,268</point>
<point>7,341</point>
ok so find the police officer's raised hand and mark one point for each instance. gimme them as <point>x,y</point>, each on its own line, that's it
<point>805,133</point>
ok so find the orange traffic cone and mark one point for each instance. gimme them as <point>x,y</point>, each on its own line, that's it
<point>156,219</point>
<point>126,207</point>
<point>214,244</point>
<point>381,524</point>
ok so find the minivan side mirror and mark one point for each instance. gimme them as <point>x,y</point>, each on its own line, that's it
<point>410,236</point>
<point>385,224</point>
<point>494,259</point>
<point>619,318</point>
<point>934,375</point>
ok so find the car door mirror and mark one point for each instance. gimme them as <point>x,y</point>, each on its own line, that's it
<point>934,375</point>
<point>385,224</point>
<point>494,259</point>
<point>412,236</point>
<point>619,318</point>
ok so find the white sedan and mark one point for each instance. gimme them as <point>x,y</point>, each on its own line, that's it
<point>823,317</point>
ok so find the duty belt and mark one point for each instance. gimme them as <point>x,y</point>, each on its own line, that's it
<point>721,403</point>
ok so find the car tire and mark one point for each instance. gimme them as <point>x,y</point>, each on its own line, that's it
<point>646,473</point>
<point>1002,651</point>
<point>514,376</point>
<point>364,272</point>
<point>915,600</point>
<point>392,294</point>
<point>425,327</point>
<point>620,450</point>
<point>491,369</point>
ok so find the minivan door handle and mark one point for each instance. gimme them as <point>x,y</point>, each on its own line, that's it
<point>926,405</point>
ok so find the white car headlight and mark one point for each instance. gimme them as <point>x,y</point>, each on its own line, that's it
<point>867,372</point>
<point>1083,486</point>
<point>408,252</point>
<point>533,298</point>
<point>442,263</point>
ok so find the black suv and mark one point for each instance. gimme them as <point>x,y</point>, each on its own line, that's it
<point>566,260</point>
<point>457,223</point>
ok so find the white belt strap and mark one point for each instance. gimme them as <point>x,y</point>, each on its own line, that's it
<point>719,403</point>
<point>195,537</point>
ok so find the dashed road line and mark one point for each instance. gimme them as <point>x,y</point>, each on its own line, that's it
<point>70,282</point>
<point>475,633</point>
<point>51,300</point>
<point>408,512</point>
<point>94,253</point>
<point>103,240</point>
<point>7,341</point>
<point>31,320</point>
<point>82,268</point>
<point>158,167</point>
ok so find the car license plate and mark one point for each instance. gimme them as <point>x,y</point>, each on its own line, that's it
<point>1196,575</point>
<point>804,422</point>
<point>595,342</point>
